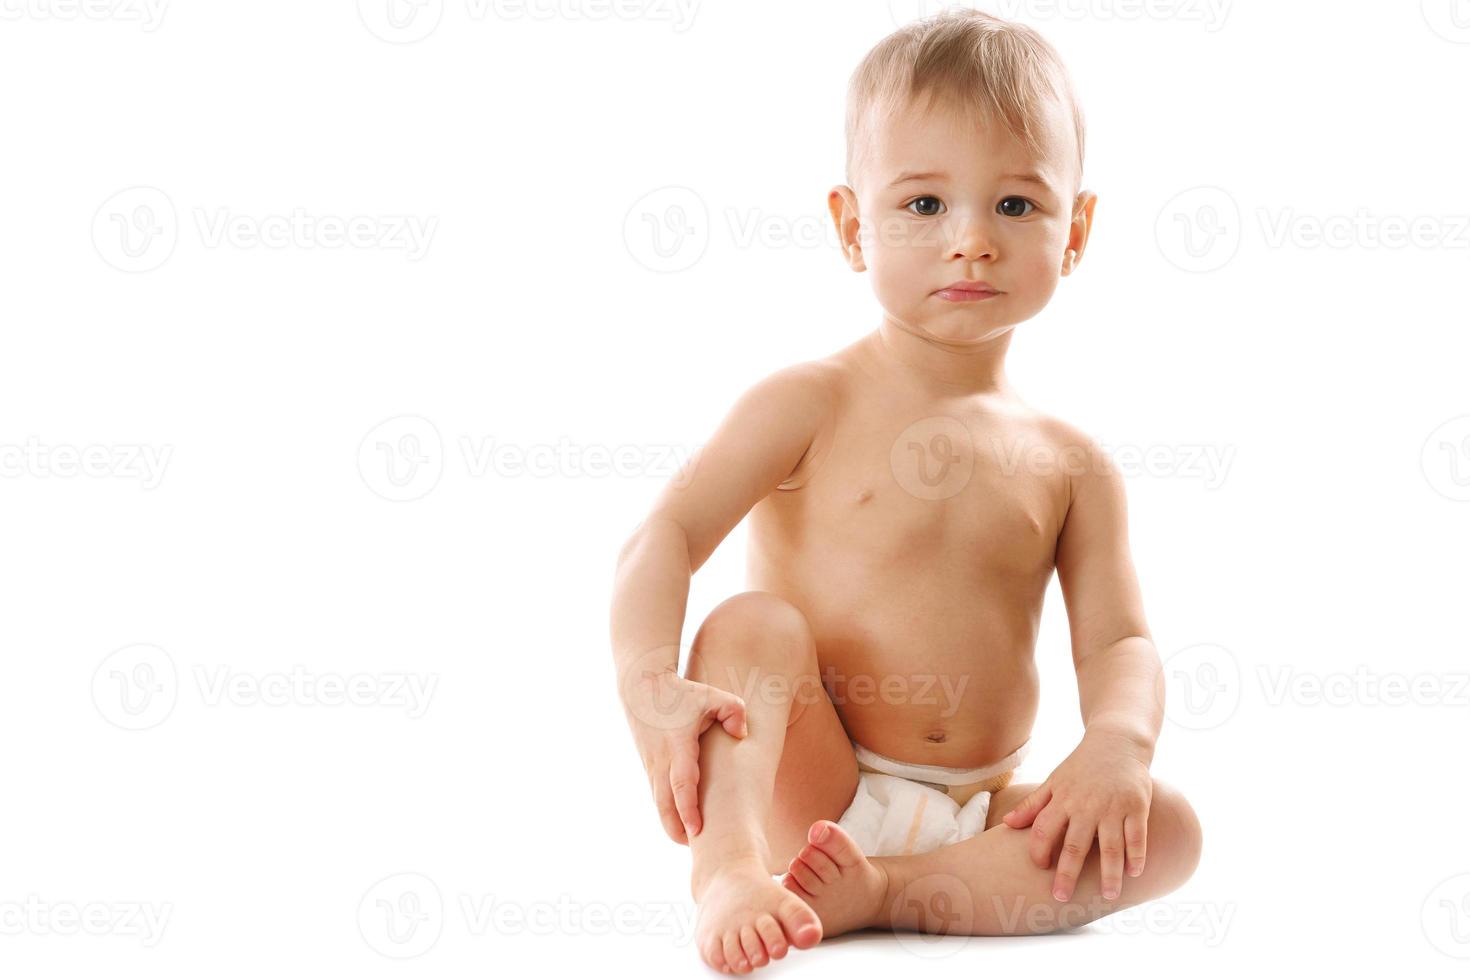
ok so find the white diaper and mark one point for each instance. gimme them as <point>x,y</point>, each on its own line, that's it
<point>899,810</point>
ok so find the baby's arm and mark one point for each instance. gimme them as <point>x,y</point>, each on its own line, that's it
<point>1103,788</point>
<point>1120,681</point>
<point>757,446</point>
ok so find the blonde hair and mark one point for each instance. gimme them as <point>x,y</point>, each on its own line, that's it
<point>986,67</point>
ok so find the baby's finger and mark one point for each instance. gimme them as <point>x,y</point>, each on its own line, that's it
<point>668,814</point>
<point>729,710</point>
<point>1075,846</point>
<point>684,780</point>
<point>1110,849</point>
<point>1135,838</point>
<point>1025,811</point>
<point>1046,832</point>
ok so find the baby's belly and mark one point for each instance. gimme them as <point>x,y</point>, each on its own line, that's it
<point>918,682</point>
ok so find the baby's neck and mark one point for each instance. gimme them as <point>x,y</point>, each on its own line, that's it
<point>962,369</point>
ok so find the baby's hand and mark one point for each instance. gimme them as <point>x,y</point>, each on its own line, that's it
<point>1102,790</point>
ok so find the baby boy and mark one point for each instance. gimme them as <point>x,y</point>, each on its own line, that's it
<point>839,752</point>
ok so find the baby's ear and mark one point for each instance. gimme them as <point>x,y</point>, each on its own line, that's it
<point>842,203</point>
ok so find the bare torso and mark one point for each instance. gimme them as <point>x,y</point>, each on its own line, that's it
<point>919,544</point>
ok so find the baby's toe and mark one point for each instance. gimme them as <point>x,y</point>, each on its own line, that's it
<point>755,950</point>
<point>814,857</point>
<point>808,879</point>
<point>771,935</point>
<point>836,843</point>
<point>734,956</point>
<point>800,923</point>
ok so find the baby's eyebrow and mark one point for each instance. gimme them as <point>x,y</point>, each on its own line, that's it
<point>904,178</point>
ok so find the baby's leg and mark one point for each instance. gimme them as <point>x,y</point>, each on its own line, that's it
<point>758,795</point>
<point>986,885</point>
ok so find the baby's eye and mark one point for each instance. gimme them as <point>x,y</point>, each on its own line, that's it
<point>926,214</point>
<point>1001,207</point>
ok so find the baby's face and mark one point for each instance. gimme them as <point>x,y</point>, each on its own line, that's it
<point>971,214</point>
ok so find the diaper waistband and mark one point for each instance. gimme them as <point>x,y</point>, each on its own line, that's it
<point>944,775</point>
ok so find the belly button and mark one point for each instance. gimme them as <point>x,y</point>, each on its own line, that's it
<point>936,736</point>
<point>864,496</point>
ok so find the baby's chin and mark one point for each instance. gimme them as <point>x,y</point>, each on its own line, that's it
<point>970,331</point>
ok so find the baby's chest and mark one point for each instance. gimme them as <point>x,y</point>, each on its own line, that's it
<point>934,491</point>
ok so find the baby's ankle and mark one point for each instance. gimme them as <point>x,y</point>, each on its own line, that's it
<point>708,867</point>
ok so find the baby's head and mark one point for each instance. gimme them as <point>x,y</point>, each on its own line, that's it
<point>973,105</point>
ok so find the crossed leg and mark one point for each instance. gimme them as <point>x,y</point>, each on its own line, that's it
<point>759,795</point>
<point>987,885</point>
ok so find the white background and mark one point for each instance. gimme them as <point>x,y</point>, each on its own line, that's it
<point>297,391</point>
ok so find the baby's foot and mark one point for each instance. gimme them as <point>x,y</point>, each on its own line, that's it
<point>746,920</point>
<point>834,877</point>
